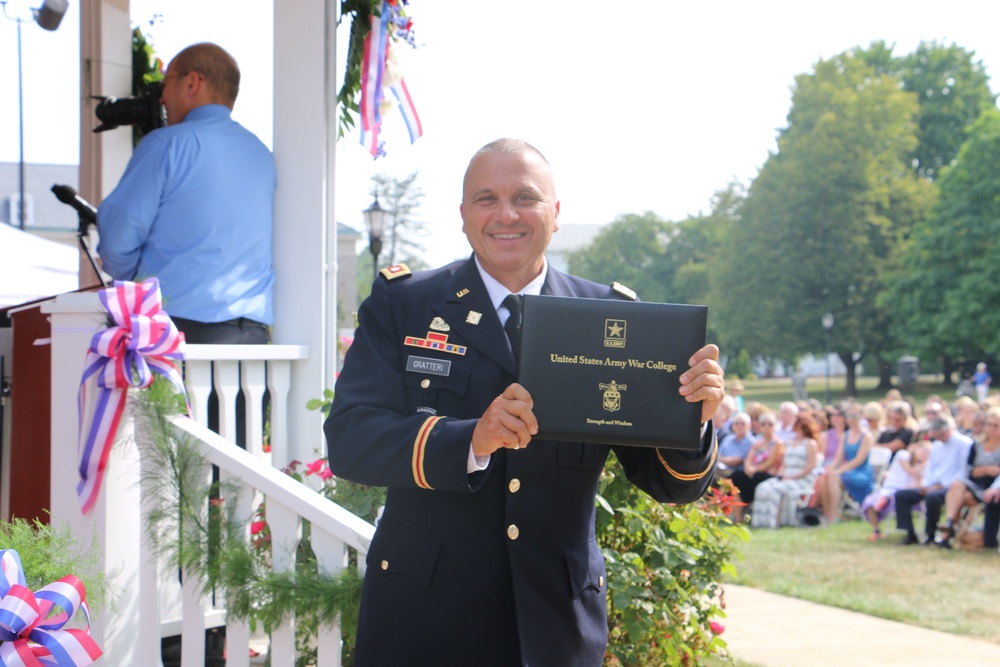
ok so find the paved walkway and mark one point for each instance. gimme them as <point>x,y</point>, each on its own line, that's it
<point>777,631</point>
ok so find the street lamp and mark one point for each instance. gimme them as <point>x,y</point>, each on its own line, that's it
<point>48,17</point>
<point>375,217</point>
<point>827,322</point>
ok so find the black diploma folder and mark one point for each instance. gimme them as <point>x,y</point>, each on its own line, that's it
<point>602,370</point>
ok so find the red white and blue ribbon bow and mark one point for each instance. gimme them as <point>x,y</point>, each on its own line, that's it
<point>141,342</point>
<point>30,635</point>
<point>389,23</point>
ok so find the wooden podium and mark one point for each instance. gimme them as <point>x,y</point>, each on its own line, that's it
<point>26,455</point>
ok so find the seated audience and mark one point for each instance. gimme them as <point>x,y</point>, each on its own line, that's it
<point>891,396</point>
<point>787,412</point>
<point>983,469</point>
<point>965,415</point>
<point>904,472</point>
<point>946,464</point>
<point>932,410</point>
<point>735,446</point>
<point>821,422</point>
<point>873,418</point>
<point>850,469</point>
<point>760,464</point>
<point>777,499</point>
<point>991,514</point>
<point>828,446</point>
<point>896,435</point>
<point>979,424</point>
<point>723,418</point>
<point>755,410</point>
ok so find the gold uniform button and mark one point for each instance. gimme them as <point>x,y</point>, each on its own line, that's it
<point>514,485</point>
<point>600,582</point>
<point>385,565</point>
<point>513,532</point>
<point>425,383</point>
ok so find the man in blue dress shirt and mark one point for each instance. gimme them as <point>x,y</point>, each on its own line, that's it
<point>194,207</point>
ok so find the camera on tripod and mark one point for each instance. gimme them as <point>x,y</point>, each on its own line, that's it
<point>144,110</point>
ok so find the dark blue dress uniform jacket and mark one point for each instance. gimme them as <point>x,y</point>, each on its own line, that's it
<point>499,567</point>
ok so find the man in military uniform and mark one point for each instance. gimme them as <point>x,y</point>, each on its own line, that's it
<point>486,552</point>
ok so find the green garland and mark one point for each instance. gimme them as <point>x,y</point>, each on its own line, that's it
<point>211,546</point>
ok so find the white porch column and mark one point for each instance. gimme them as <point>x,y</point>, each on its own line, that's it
<point>304,136</point>
<point>105,69</point>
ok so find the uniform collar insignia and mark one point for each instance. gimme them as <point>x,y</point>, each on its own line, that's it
<point>473,317</point>
<point>462,293</point>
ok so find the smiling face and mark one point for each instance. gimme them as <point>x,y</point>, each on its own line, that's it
<point>509,213</point>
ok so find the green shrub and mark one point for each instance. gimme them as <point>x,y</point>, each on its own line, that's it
<point>665,568</point>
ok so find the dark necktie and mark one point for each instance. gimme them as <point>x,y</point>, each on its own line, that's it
<point>513,303</point>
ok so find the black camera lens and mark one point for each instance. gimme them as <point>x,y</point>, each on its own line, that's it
<point>143,111</point>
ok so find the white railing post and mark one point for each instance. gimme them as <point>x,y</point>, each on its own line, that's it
<point>331,555</point>
<point>194,603</point>
<point>286,531</point>
<point>253,381</point>
<point>115,517</point>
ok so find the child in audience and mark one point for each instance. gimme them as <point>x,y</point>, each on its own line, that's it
<point>904,472</point>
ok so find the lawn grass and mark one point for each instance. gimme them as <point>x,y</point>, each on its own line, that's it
<point>948,590</point>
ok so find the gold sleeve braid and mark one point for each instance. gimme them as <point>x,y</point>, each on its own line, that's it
<point>420,449</point>
<point>690,477</point>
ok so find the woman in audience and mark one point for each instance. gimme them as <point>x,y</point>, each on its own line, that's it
<point>850,469</point>
<point>828,450</point>
<point>904,472</point>
<point>965,415</point>
<point>873,418</point>
<point>984,467</point>
<point>777,499</point>
<point>821,420</point>
<point>760,464</point>
<point>755,410</point>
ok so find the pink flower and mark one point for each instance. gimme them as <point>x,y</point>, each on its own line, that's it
<point>325,474</point>
<point>717,628</point>
<point>316,467</point>
<point>257,527</point>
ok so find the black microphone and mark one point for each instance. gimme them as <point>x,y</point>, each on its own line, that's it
<point>68,196</point>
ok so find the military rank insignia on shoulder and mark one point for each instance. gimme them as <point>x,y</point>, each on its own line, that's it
<point>396,271</point>
<point>623,291</point>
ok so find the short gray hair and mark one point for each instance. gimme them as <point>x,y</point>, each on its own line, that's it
<point>941,423</point>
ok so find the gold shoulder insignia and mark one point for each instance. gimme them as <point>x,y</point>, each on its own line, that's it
<point>624,291</point>
<point>396,271</point>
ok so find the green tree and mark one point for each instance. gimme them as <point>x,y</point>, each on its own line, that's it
<point>948,268</point>
<point>822,219</point>
<point>662,261</point>
<point>953,90</point>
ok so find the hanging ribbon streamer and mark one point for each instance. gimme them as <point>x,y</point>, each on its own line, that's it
<point>390,25</point>
<point>140,343</point>
<point>30,635</point>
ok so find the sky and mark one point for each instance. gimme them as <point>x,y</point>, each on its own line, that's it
<point>652,111</point>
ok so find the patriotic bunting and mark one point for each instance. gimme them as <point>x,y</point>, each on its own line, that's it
<point>31,635</point>
<point>140,343</point>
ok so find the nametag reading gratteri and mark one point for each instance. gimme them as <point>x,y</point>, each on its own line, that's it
<point>428,365</point>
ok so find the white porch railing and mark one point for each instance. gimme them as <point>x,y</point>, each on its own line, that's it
<point>150,602</point>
